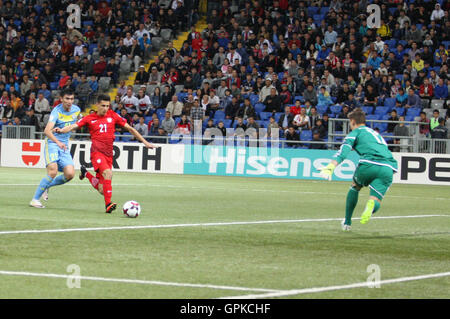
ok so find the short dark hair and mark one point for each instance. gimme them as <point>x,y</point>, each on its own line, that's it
<point>358,115</point>
<point>67,92</point>
<point>103,97</point>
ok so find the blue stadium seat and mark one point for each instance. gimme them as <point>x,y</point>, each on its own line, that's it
<point>227,123</point>
<point>161,113</point>
<point>336,109</point>
<point>312,11</point>
<point>381,110</point>
<point>382,127</point>
<point>367,109</point>
<point>219,115</point>
<point>306,135</point>
<point>88,22</point>
<point>389,102</point>
<point>265,115</point>
<point>261,123</point>
<point>399,77</point>
<point>277,116</point>
<point>386,117</point>
<point>409,118</point>
<point>322,109</point>
<point>298,97</point>
<point>400,110</point>
<point>53,86</point>
<point>324,10</point>
<point>254,98</point>
<point>259,107</point>
<point>126,138</point>
<point>373,117</point>
<point>413,111</point>
<point>147,119</point>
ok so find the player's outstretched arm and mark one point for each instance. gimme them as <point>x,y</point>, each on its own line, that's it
<point>65,129</point>
<point>327,171</point>
<point>139,137</point>
<point>48,131</point>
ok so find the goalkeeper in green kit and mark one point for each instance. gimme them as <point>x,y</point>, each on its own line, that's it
<point>375,169</point>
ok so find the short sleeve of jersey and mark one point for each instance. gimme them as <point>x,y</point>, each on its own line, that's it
<point>83,121</point>
<point>53,115</point>
<point>346,147</point>
<point>119,120</point>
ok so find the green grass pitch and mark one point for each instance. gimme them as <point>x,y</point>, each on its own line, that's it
<point>310,251</point>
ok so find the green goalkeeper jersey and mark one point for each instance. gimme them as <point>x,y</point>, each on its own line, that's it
<point>370,146</point>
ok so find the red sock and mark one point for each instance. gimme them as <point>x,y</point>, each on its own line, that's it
<point>93,180</point>
<point>107,191</point>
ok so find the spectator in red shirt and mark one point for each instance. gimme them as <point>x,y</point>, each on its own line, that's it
<point>64,78</point>
<point>296,109</point>
<point>100,66</point>
<point>426,91</point>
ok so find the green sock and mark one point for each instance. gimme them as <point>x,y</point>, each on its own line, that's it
<point>352,200</point>
<point>376,207</point>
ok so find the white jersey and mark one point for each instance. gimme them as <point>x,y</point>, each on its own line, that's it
<point>130,103</point>
<point>144,103</point>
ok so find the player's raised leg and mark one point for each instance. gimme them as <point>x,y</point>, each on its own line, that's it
<point>94,180</point>
<point>378,188</point>
<point>52,170</point>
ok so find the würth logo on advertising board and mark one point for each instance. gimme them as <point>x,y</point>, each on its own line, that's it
<point>31,153</point>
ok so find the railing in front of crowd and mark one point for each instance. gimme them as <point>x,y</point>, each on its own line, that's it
<point>413,142</point>
<point>253,138</point>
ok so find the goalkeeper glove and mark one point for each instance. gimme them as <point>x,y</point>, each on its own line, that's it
<point>327,171</point>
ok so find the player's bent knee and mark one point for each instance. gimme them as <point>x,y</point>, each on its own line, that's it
<point>356,187</point>
<point>107,174</point>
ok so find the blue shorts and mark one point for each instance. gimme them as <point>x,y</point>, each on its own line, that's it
<point>54,154</point>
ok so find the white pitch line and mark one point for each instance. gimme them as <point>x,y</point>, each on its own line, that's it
<point>65,230</point>
<point>134,281</point>
<point>300,191</point>
<point>284,293</point>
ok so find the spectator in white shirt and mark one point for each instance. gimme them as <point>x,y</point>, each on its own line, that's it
<point>233,55</point>
<point>128,40</point>
<point>130,102</point>
<point>437,13</point>
<point>140,33</point>
<point>78,50</point>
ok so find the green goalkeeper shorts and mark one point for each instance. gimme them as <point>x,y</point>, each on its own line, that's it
<point>377,177</point>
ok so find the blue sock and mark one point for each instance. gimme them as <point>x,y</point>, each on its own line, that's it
<point>60,179</point>
<point>45,182</point>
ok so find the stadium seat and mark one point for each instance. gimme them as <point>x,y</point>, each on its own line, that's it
<point>367,109</point>
<point>227,123</point>
<point>306,135</point>
<point>413,111</point>
<point>299,98</point>
<point>400,110</point>
<point>336,109</point>
<point>261,123</point>
<point>127,137</point>
<point>312,11</point>
<point>389,102</point>
<point>277,116</point>
<point>386,117</point>
<point>254,98</point>
<point>259,107</point>
<point>265,115</point>
<point>375,117</point>
<point>54,85</point>
<point>219,115</point>
<point>103,83</point>
<point>435,104</point>
<point>382,127</point>
<point>161,113</point>
<point>322,109</point>
<point>166,34</point>
<point>409,118</point>
<point>156,43</point>
<point>381,110</point>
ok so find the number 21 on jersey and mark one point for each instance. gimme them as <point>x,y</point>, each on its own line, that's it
<point>103,128</point>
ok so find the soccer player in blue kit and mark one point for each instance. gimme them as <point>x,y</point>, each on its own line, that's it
<point>57,154</point>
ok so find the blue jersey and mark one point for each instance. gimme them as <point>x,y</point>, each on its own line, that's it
<point>62,118</point>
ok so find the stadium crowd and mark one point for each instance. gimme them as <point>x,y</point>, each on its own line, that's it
<point>283,64</point>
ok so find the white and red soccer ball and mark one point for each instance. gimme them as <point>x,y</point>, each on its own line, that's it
<point>132,209</point>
